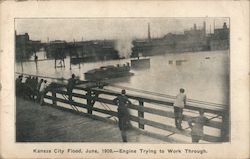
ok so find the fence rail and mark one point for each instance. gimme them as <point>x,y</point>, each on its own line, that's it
<point>92,95</point>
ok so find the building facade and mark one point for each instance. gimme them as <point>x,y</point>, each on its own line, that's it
<point>190,41</point>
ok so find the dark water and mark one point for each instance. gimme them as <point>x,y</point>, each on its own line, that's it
<point>204,75</point>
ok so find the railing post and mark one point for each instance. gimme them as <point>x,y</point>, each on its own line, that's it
<point>89,102</point>
<point>225,126</point>
<point>54,97</point>
<point>140,114</point>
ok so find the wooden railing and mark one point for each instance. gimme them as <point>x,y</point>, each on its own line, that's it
<point>92,95</point>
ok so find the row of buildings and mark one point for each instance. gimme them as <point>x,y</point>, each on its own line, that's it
<point>95,50</point>
<point>88,50</point>
<point>25,47</point>
<point>189,41</point>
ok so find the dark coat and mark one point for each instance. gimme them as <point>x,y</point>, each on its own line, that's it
<point>71,84</point>
<point>123,112</point>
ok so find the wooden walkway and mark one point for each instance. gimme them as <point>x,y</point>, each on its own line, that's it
<point>35,123</point>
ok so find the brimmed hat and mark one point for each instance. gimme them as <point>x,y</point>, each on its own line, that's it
<point>123,91</point>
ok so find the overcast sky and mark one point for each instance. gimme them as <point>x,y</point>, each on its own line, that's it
<point>109,28</point>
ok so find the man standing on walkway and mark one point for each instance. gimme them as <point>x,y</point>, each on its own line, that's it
<point>123,114</point>
<point>38,89</point>
<point>197,128</point>
<point>179,104</point>
<point>70,86</point>
<point>19,85</point>
<point>42,91</point>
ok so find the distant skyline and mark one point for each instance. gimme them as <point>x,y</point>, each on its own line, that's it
<point>79,29</point>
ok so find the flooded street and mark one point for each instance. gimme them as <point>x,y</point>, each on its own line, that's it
<point>204,75</point>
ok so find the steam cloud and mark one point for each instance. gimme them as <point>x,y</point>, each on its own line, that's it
<point>124,47</point>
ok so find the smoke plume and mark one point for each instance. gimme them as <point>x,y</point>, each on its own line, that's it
<point>124,47</point>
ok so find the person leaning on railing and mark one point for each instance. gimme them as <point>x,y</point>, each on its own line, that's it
<point>196,124</point>
<point>179,104</point>
<point>70,86</point>
<point>42,91</point>
<point>19,85</point>
<point>38,89</point>
<point>123,114</point>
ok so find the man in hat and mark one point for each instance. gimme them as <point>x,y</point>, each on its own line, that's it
<point>179,104</point>
<point>123,114</point>
<point>70,86</point>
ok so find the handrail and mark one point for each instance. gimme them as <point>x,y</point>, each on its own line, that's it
<point>104,83</point>
<point>93,95</point>
<point>165,101</point>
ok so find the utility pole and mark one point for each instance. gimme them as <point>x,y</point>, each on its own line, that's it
<point>22,62</point>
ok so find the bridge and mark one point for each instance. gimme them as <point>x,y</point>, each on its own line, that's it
<point>92,117</point>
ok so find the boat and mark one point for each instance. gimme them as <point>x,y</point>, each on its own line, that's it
<point>108,72</point>
<point>140,63</point>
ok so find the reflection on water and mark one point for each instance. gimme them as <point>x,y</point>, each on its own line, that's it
<point>205,79</point>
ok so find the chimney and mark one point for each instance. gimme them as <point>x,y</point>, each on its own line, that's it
<point>204,28</point>
<point>149,36</point>
<point>194,26</point>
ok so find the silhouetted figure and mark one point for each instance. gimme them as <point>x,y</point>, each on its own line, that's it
<point>123,114</point>
<point>42,91</point>
<point>19,85</point>
<point>36,58</point>
<point>27,89</point>
<point>33,84</point>
<point>179,104</point>
<point>197,129</point>
<point>38,89</point>
<point>70,86</point>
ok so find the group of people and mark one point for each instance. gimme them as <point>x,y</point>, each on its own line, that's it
<point>31,88</point>
<point>196,123</point>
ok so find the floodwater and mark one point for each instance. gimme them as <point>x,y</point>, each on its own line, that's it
<point>203,75</point>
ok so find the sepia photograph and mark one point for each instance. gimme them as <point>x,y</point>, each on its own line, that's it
<point>122,79</point>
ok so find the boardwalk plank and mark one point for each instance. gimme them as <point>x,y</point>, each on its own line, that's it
<point>35,123</point>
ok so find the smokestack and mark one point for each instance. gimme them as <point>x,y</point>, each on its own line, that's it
<point>149,36</point>
<point>204,28</point>
<point>214,24</point>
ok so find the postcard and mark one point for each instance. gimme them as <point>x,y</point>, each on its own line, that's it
<point>124,79</point>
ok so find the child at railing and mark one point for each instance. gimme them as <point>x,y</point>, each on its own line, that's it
<point>197,128</point>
